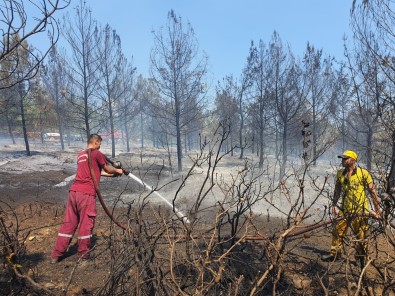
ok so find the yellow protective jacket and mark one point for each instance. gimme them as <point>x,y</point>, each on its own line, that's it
<point>353,190</point>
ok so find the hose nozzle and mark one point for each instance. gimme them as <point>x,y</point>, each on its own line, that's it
<point>117,164</point>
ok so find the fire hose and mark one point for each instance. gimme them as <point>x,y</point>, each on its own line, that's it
<point>300,231</point>
<point>312,227</point>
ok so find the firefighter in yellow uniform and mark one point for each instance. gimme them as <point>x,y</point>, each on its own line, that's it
<point>352,182</point>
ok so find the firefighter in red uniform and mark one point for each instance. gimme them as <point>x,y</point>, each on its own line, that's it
<point>81,203</point>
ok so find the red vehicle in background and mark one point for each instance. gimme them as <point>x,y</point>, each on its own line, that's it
<point>34,135</point>
<point>107,136</point>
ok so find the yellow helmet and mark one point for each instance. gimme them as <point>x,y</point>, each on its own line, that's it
<point>349,154</point>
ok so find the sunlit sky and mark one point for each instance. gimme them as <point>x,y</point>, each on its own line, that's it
<point>224,29</point>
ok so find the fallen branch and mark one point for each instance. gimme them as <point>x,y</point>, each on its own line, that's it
<point>30,280</point>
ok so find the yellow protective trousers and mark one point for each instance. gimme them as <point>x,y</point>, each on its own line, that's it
<point>359,227</point>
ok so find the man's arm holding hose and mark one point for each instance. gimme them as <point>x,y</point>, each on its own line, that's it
<point>109,171</point>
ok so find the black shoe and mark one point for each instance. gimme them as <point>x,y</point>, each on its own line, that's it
<point>330,258</point>
<point>55,260</point>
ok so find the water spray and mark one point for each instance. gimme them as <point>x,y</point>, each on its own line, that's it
<point>175,210</point>
<point>118,165</point>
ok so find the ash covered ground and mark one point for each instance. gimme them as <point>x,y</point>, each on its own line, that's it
<point>35,188</point>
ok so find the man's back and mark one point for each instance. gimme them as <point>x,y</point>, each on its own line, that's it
<point>83,180</point>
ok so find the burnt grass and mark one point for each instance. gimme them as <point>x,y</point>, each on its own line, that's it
<point>33,210</point>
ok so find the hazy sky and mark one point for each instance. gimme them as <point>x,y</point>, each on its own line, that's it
<point>224,29</point>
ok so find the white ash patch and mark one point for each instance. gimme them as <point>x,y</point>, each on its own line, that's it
<point>13,158</point>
